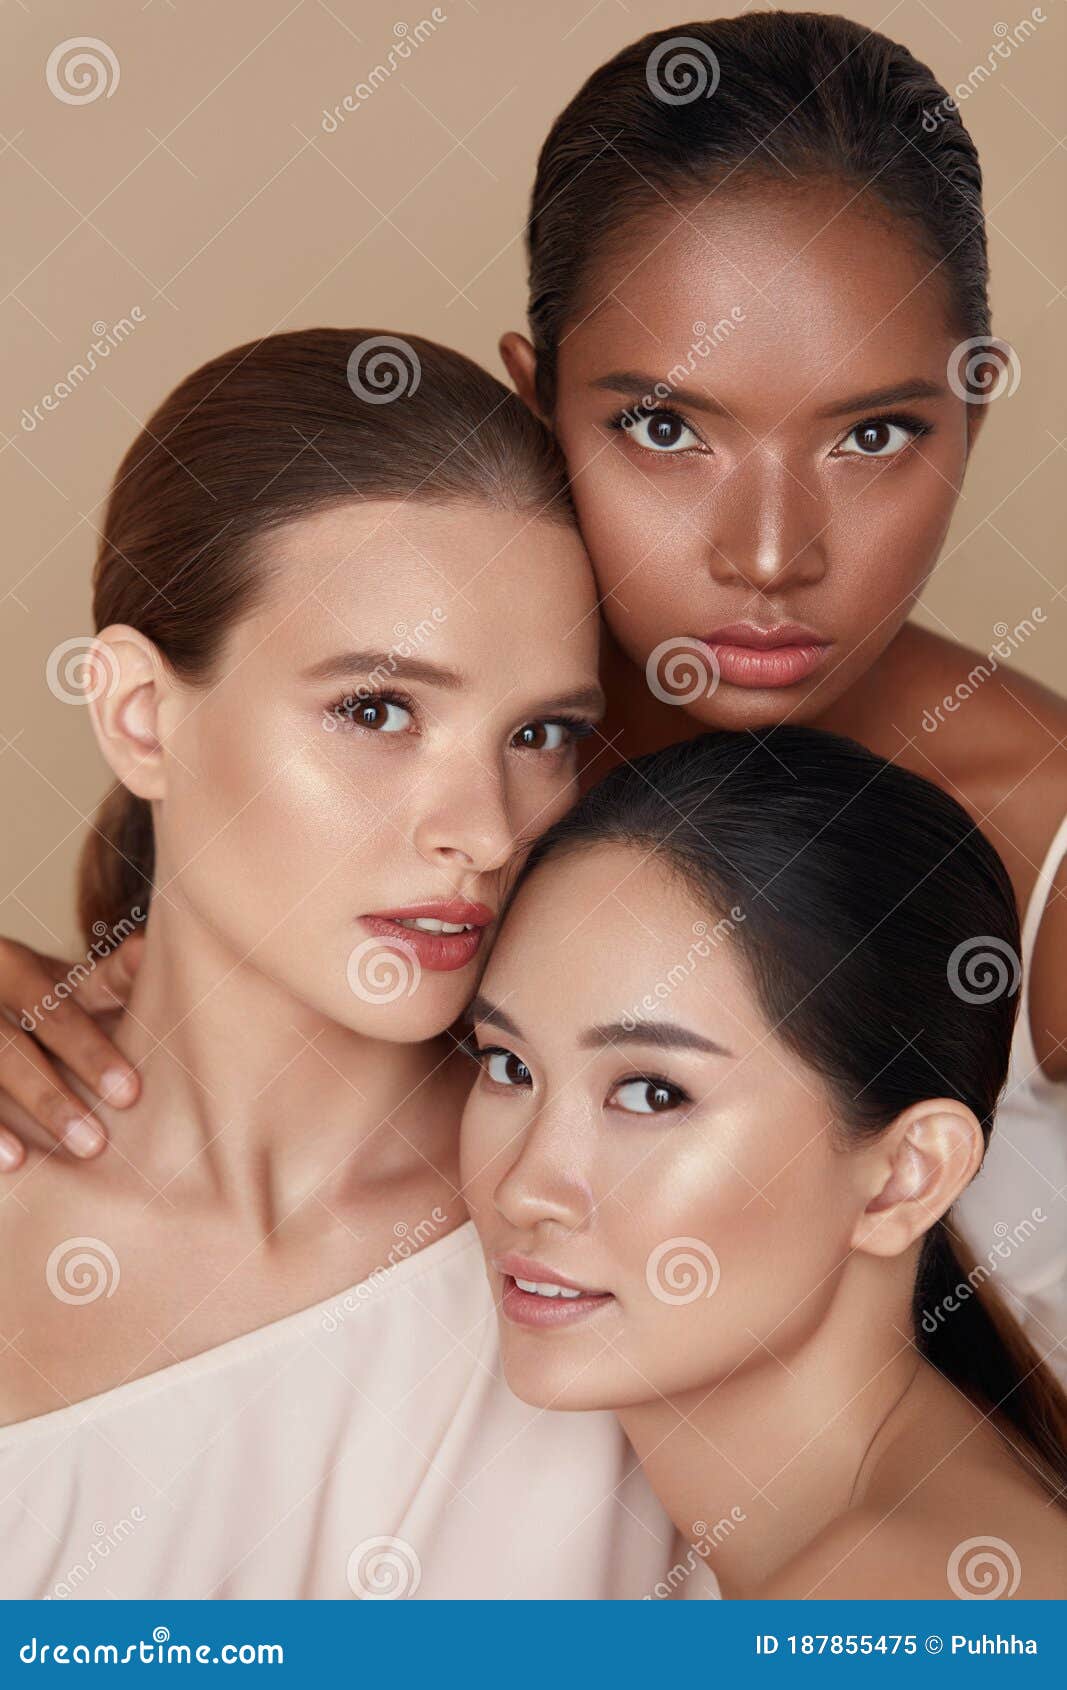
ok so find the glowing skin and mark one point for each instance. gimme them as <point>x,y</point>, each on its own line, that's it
<point>299,1110</point>
<point>774,1372</point>
<point>741,499</point>
<point>289,817</point>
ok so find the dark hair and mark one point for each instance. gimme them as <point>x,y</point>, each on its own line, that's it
<point>798,96</point>
<point>263,434</point>
<point>880,931</point>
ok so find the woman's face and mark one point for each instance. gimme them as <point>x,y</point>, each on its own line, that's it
<point>381,740</point>
<point>638,1131</point>
<point>802,457</point>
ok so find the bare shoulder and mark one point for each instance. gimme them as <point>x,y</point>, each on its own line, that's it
<point>987,728</point>
<point>997,741</point>
<point>989,1533</point>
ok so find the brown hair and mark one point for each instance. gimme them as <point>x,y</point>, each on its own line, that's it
<point>771,97</point>
<point>257,437</point>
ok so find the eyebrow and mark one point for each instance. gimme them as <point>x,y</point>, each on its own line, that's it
<point>481,1008</point>
<point>664,1035</point>
<point>345,664</point>
<point>629,382</point>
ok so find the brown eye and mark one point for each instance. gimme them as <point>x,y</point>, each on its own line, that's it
<point>878,438</point>
<point>505,1068</point>
<point>541,736</point>
<point>648,1097</point>
<point>661,431</point>
<point>379,715</point>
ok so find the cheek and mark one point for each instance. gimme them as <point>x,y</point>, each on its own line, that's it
<point>730,1242</point>
<point>266,824</point>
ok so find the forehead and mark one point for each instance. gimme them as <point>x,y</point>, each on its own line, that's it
<point>609,932</point>
<point>809,292</point>
<point>386,568</point>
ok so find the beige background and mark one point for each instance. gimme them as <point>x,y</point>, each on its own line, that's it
<point>203,192</point>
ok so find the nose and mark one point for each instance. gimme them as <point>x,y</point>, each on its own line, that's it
<point>547,1180</point>
<point>465,822</point>
<point>765,526</point>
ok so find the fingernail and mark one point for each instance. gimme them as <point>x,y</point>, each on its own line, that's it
<point>118,1085</point>
<point>83,1138</point>
<point>9,1154</point>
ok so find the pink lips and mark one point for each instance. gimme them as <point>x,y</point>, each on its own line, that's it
<point>529,1308</point>
<point>750,656</point>
<point>438,952</point>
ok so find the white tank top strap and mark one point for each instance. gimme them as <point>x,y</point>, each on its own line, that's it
<point>1023,1054</point>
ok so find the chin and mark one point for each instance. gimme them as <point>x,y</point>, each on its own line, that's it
<point>556,1382</point>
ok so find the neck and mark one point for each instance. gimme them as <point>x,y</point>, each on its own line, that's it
<point>253,1097</point>
<point>767,1455</point>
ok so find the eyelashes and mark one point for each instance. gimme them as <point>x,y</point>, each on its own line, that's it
<point>634,418</point>
<point>394,713</point>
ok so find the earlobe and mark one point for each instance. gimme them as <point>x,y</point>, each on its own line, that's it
<point>922,1163</point>
<point>520,361</point>
<point>124,707</point>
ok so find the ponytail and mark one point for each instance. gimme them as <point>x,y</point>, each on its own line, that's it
<point>964,1329</point>
<point>116,866</point>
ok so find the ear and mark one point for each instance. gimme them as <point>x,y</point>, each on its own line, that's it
<point>130,682</point>
<point>916,1171</point>
<point>520,361</point>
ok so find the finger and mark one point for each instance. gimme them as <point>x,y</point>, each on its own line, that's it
<point>63,1021</point>
<point>31,1080</point>
<point>12,1152</point>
